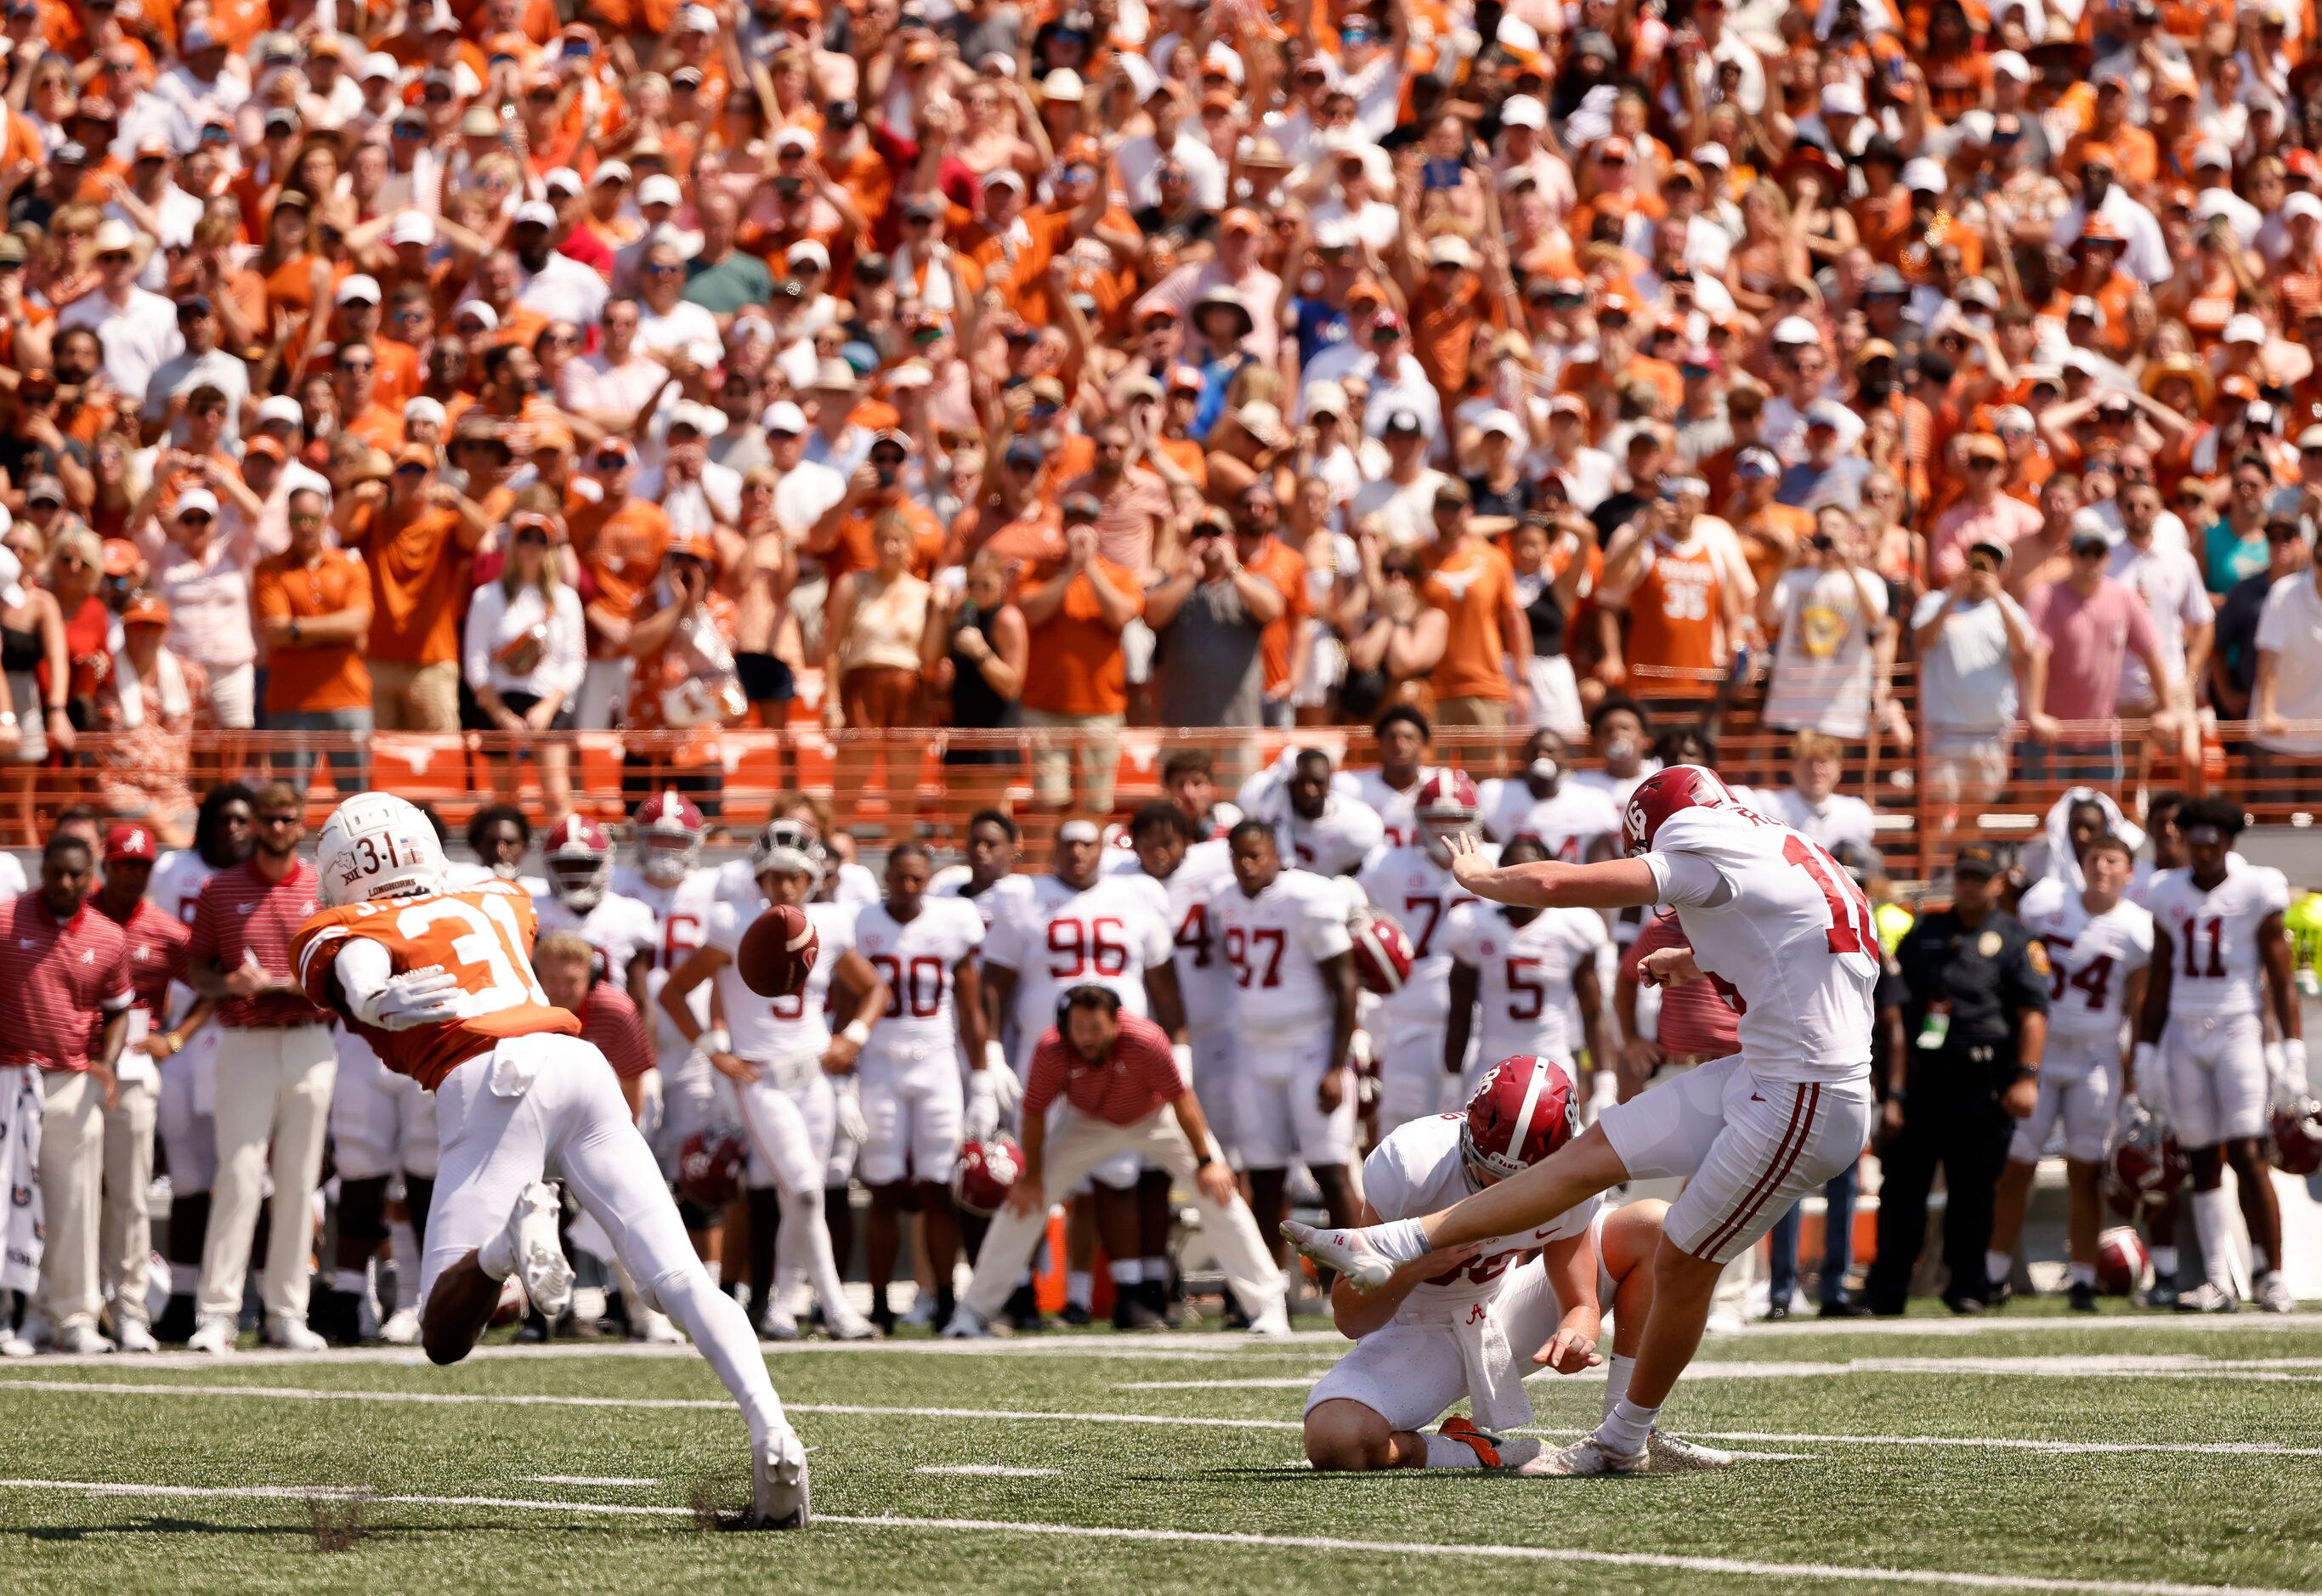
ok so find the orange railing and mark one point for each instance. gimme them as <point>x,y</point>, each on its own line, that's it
<point>888,785</point>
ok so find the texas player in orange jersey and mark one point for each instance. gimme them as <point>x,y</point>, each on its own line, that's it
<point>440,982</point>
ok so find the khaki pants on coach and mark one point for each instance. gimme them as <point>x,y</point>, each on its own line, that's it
<point>72,1163</point>
<point>271,1086</point>
<point>1076,1145</point>
<point>125,1232</point>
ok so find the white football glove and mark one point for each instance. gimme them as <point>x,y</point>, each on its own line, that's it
<point>1007,1091</point>
<point>2293,1080</point>
<point>416,998</point>
<point>850,1123</point>
<point>980,1122</point>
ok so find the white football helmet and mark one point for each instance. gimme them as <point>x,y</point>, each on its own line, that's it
<point>669,829</point>
<point>790,847</point>
<point>378,845</point>
<point>579,858</point>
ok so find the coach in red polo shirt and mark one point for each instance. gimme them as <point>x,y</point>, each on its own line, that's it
<point>276,1066</point>
<point>567,968</point>
<point>1104,1082</point>
<point>156,948</point>
<point>64,986</point>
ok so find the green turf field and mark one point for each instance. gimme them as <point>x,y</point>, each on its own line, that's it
<point>2024,1452</point>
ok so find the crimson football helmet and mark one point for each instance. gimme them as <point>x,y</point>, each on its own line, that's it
<point>1446,802</point>
<point>579,858</point>
<point>985,1174</point>
<point>1524,1109</point>
<point>709,1167</point>
<point>669,832</point>
<point>2123,1267</point>
<point>1383,953</point>
<point>2297,1135</point>
<point>2146,1165</point>
<point>1665,793</point>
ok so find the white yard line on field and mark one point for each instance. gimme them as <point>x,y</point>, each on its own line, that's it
<point>2124,1366</point>
<point>998,1471</point>
<point>629,1481</point>
<point>1744,1567</point>
<point>1033,1416</point>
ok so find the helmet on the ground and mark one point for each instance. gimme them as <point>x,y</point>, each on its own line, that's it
<point>579,858</point>
<point>669,829</point>
<point>378,845</point>
<point>2124,1266</point>
<point>1524,1109</point>
<point>1665,793</point>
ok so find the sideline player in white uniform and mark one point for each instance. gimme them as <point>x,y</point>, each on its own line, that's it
<point>1284,936</point>
<point>441,983</point>
<point>2098,945</point>
<point>1392,787</point>
<point>1317,826</point>
<point>499,836</point>
<point>1082,926</point>
<point>183,1112</point>
<point>924,950</point>
<point>988,879</point>
<point>1412,884</point>
<point>2220,958</point>
<point>1542,802</point>
<point>581,899</point>
<point>780,1056</point>
<point>1468,1324</point>
<point>1778,929</point>
<point>1510,968</point>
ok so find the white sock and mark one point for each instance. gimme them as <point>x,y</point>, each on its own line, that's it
<point>1399,1240</point>
<point>1080,1288</point>
<point>803,1220</point>
<point>352,1282</point>
<point>1127,1272</point>
<point>1443,1452</point>
<point>1998,1266</point>
<point>2083,1275</point>
<point>721,1332</point>
<point>1617,1370</point>
<point>712,1266</point>
<point>493,1257</point>
<point>2213,1222</point>
<point>1625,1428</point>
<point>2164,1262</point>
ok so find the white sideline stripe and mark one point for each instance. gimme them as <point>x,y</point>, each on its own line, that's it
<point>2129,1366</point>
<point>1956,1579</point>
<point>996,1469</point>
<point>1166,1421</point>
<point>622,1480</point>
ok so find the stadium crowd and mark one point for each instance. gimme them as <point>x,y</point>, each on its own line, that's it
<point>1932,388</point>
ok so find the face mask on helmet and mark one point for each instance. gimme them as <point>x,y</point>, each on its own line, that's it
<point>1433,829</point>
<point>666,863</point>
<point>1545,771</point>
<point>579,883</point>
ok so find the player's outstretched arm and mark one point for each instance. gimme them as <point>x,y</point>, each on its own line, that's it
<point>1358,1313</point>
<point>1615,883</point>
<point>1530,1198</point>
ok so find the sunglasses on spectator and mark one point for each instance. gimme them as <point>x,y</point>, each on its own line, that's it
<point>533,535</point>
<point>892,456</point>
<point>1983,465</point>
<point>610,460</point>
<point>291,818</point>
<point>435,93</point>
<point>411,469</point>
<point>358,365</point>
<point>110,256</point>
<point>306,518</point>
<point>662,268</point>
<point>195,518</point>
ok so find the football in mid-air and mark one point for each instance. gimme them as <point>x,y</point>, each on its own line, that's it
<point>777,952</point>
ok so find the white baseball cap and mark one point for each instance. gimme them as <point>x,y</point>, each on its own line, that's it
<point>1523,111</point>
<point>783,416</point>
<point>1794,330</point>
<point>411,227</point>
<point>1843,99</point>
<point>2008,63</point>
<point>280,407</point>
<point>423,408</point>
<point>2244,328</point>
<point>377,64</point>
<point>198,498</point>
<point>538,212</point>
<point>359,288</point>
<point>562,180</point>
<point>660,189</point>
<point>480,310</point>
<point>1924,174</point>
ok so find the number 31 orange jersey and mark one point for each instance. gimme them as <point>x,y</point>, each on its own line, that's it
<point>483,936</point>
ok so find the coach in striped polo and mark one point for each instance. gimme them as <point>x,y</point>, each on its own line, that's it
<point>275,1067</point>
<point>64,985</point>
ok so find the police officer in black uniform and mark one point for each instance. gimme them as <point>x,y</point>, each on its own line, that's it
<point>1962,1027</point>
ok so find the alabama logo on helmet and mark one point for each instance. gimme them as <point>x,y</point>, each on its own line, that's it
<point>1665,793</point>
<point>1383,955</point>
<point>709,1167</point>
<point>985,1174</point>
<point>1524,1109</point>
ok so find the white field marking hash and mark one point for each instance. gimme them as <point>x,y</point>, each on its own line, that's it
<point>1162,1420</point>
<point>999,1471</point>
<point>627,1481</point>
<point>1744,1567</point>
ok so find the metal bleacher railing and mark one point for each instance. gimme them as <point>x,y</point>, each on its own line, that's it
<point>886,785</point>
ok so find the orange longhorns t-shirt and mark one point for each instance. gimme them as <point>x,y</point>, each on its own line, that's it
<point>1474,587</point>
<point>1673,620</point>
<point>483,935</point>
<point>326,676</point>
<point>419,586</point>
<point>1076,665</point>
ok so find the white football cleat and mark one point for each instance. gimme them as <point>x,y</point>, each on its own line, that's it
<point>1673,1454</point>
<point>777,1326</point>
<point>2273,1293</point>
<point>1587,1456</point>
<point>214,1335</point>
<point>1349,1252</point>
<point>655,1329</point>
<point>80,1341</point>
<point>534,1252</point>
<point>290,1335</point>
<point>849,1326</point>
<point>965,1326</point>
<point>1274,1322</point>
<point>778,1488</point>
<point>402,1327</point>
<point>2208,1297</point>
<point>923,1313</point>
<point>135,1336</point>
<point>17,1347</point>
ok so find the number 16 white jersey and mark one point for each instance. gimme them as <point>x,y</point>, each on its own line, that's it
<point>2215,967</point>
<point>2090,957</point>
<point>1782,932</point>
<point>1057,937</point>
